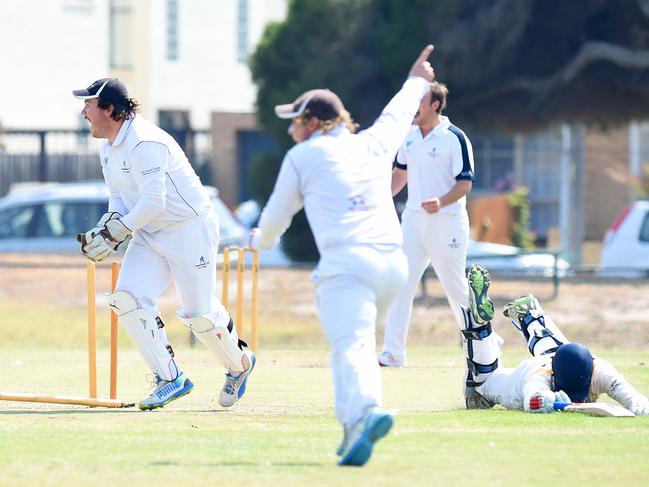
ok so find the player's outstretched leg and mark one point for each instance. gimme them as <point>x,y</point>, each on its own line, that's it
<point>235,383</point>
<point>482,308</point>
<point>481,344</point>
<point>166,391</point>
<point>540,332</point>
<point>360,437</point>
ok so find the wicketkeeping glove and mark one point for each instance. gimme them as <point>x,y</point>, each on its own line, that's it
<point>97,243</point>
<point>94,245</point>
<point>115,230</point>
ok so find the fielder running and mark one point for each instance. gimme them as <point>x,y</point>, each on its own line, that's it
<point>156,198</point>
<point>436,160</point>
<point>558,371</point>
<point>342,180</point>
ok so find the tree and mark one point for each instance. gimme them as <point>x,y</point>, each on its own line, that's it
<point>510,65</point>
<point>292,57</point>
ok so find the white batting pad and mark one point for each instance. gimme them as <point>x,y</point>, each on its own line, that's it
<point>219,340</point>
<point>481,347</point>
<point>142,327</point>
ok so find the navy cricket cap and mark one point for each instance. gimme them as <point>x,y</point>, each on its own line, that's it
<point>322,104</point>
<point>109,90</point>
<point>572,365</point>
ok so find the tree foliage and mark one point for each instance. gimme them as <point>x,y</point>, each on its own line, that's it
<point>510,65</point>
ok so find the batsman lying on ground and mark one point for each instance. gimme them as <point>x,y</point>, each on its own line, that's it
<point>558,371</point>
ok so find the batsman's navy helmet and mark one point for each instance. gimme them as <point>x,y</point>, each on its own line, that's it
<point>572,365</point>
<point>322,104</point>
<point>109,90</point>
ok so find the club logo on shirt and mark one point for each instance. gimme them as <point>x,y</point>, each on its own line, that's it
<point>433,153</point>
<point>357,203</point>
<point>125,168</point>
<point>151,170</point>
<point>202,263</point>
<point>408,144</point>
<point>453,244</point>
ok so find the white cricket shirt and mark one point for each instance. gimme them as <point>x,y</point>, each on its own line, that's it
<point>435,163</point>
<point>343,181</point>
<point>512,387</point>
<point>150,179</point>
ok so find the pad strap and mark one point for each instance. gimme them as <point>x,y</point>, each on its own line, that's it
<point>477,369</point>
<point>479,333</point>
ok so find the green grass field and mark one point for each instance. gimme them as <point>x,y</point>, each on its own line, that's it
<point>283,432</point>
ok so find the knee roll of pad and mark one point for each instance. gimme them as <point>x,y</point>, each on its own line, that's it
<point>481,347</point>
<point>223,341</point>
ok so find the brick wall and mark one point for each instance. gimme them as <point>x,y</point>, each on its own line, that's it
<point>605,191</point>
<point>224,163</point>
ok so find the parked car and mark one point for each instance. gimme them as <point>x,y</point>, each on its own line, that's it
<point>45,217</point>
<point>499,257</point>
<point>625,250</point>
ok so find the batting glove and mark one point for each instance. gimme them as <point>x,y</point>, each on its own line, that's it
<point>640,406</point>
<point>543,401</point>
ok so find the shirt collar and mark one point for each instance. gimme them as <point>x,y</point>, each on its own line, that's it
<point>121,135</point>
<point>335,132</point>
<point>442,126</point>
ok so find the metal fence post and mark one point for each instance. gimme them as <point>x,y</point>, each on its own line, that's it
<point>42,157</point>
<point>555,275</point>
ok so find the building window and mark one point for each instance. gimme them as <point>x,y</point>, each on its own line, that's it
<point>80,5</point>
<point>121,15</point>
<point>172,30</point>
<point>242,31</point>
<point>494,159</point>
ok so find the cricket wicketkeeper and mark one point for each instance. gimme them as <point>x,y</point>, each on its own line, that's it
<point>157,199</point>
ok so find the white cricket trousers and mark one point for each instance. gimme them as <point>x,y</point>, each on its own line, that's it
<point>354,288</point>
<point>440,239</point>
<point>183,253</point>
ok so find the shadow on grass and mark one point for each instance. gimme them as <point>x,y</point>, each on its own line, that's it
<point>238,464</point>
<point>10,412</point>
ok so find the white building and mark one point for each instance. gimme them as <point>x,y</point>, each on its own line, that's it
<point>182,58</point>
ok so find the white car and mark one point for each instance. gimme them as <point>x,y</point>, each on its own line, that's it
<point>499,257</point>
<point>45,217</point>
<point>625,251</point>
